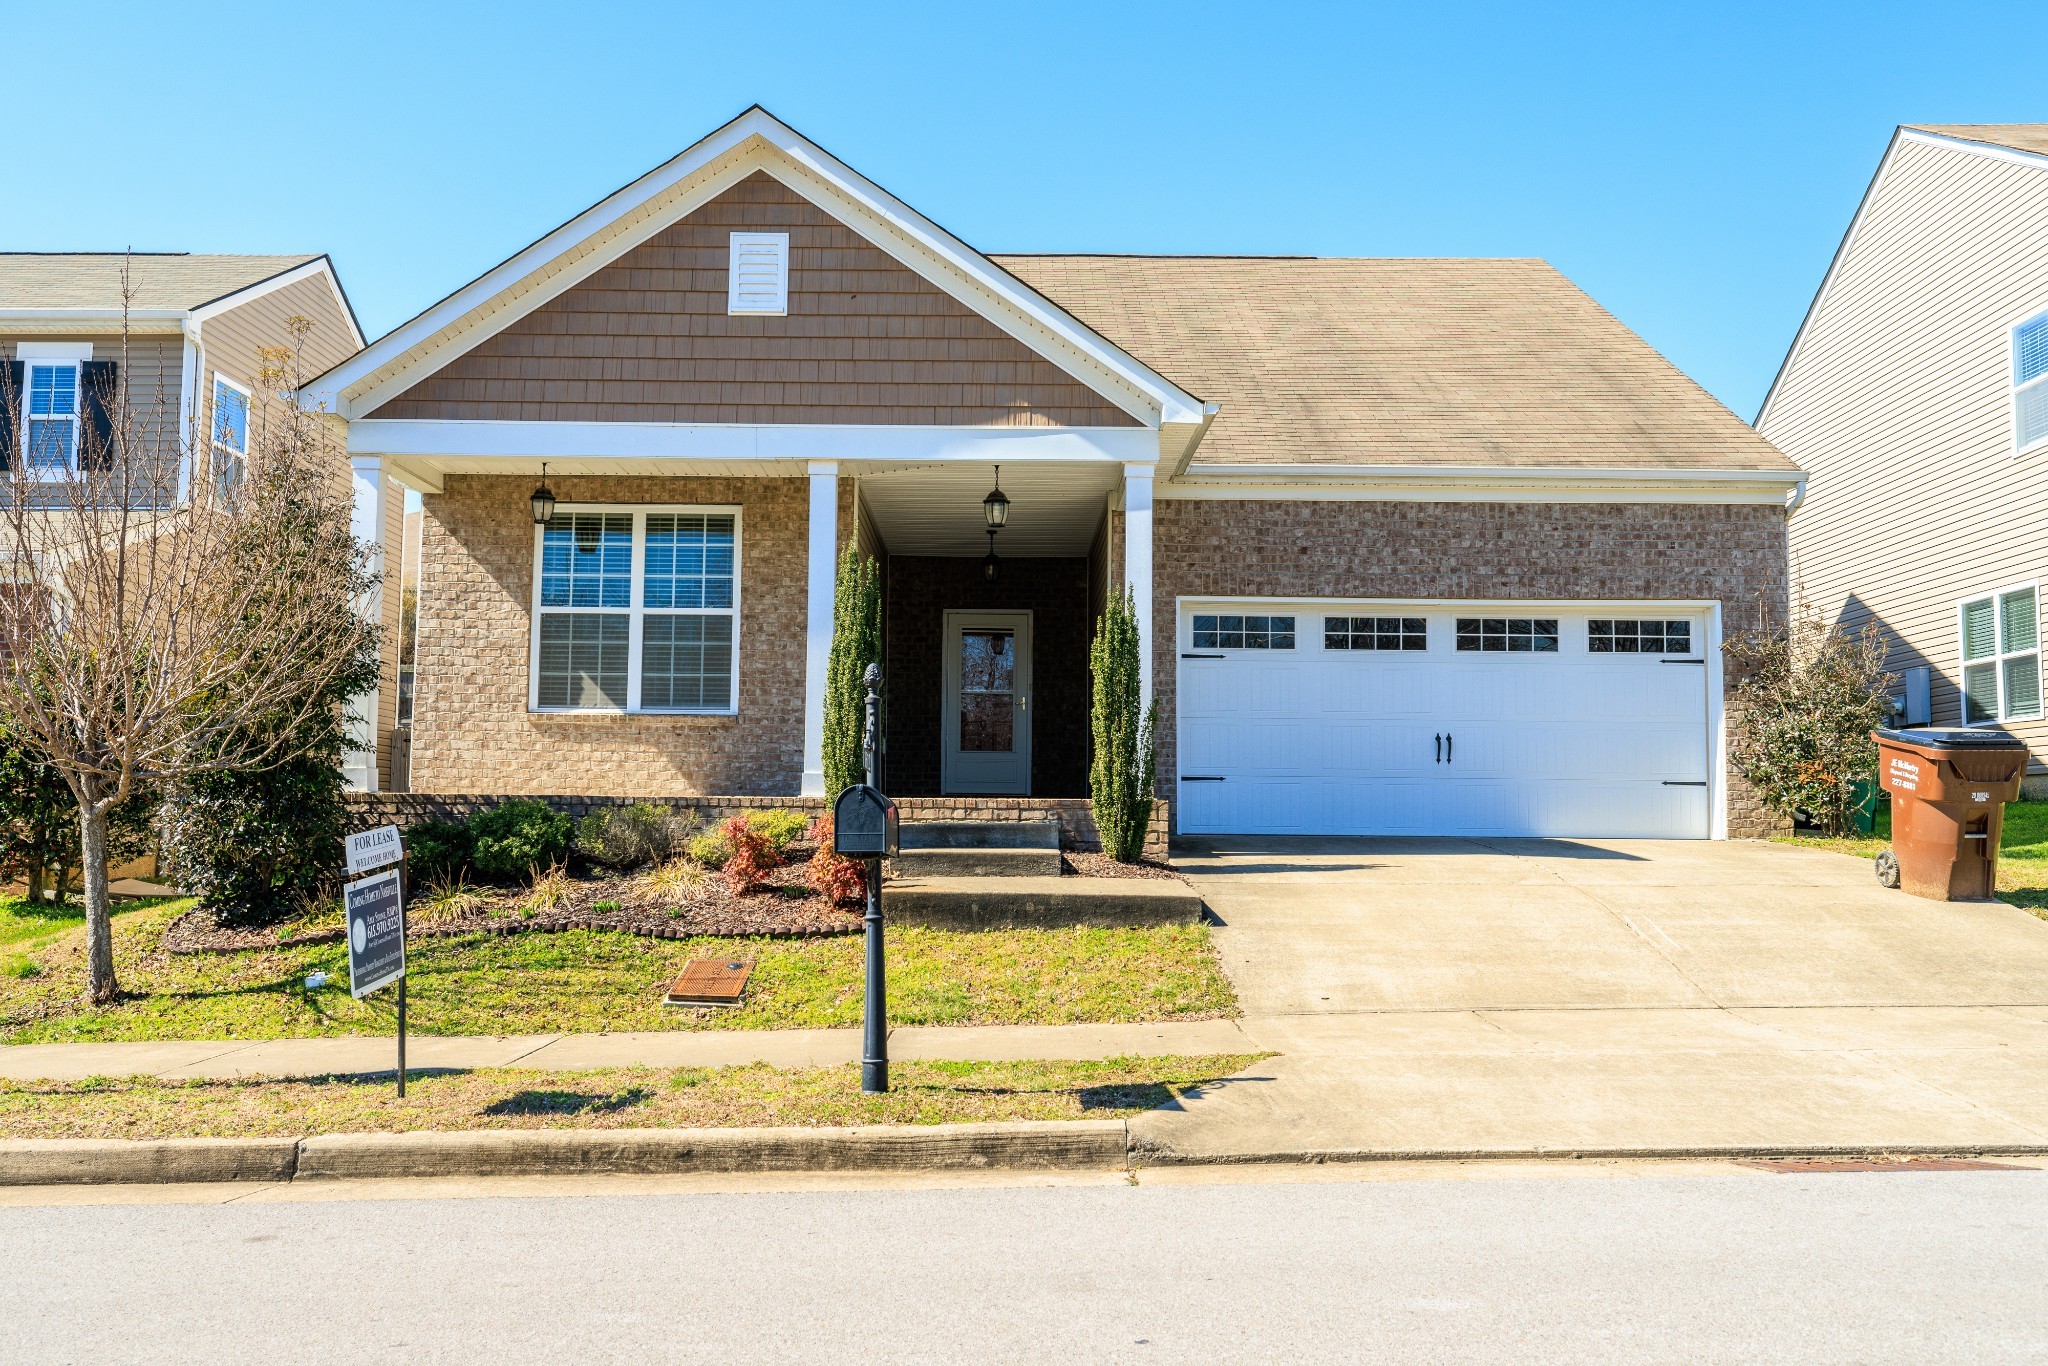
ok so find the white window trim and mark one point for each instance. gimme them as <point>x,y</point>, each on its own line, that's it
<point>2012,371</point>
<point>213,441</point>
<point>637,612</point>
<point>734,304</point>
<point>66,358</point>
<point>1255,651</point>
<point>1999,653</point>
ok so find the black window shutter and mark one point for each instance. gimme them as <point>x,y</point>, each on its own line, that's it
<point>95,407</point>
<point>10,404</point>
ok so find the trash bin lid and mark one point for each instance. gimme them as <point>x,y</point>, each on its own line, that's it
<point>1951,737</point>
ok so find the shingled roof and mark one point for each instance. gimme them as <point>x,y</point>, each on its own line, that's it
<point>166,280</point>
<point>1400,362</point>
<point>2020,137</point>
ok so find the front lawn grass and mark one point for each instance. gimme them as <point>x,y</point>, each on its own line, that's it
<point>586,981</point>
<point>2022,851</point>
<point>614,1098</point>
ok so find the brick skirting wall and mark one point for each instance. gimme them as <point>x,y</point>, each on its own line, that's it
<point>1076,816</point>
<point>1733,553</point>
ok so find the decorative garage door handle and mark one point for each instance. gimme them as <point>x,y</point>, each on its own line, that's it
<point>1439,747</point>
<point>1443,748</point>
<point>1192,778</point>
<point>1448,743</point>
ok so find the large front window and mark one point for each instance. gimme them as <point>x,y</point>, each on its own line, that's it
<point>637,609</point>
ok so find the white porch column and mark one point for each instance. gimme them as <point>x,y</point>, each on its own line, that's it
<point>824,582</point>
<point>1138,564</point>
<point>366,522</point>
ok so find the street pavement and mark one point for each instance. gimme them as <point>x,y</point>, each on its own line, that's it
<point>1541,1263</point>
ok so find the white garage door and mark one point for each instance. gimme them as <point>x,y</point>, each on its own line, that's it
<point>1479,720</point>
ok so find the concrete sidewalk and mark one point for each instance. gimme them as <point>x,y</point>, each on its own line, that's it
<point>213,1059</point>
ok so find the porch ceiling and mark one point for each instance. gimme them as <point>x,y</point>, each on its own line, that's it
<point>936,510</point>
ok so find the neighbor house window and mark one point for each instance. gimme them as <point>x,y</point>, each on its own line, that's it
<point>1621,636</point>
<point>1520,634</point>
<point>49,403</point>
<point>2030,381</point>
<point>637,609</point>
<point>230,434</point>
<point>1375,633</point>
<point>1244,633</point>
<point>2001,657</point>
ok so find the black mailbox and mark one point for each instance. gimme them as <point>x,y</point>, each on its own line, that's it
<point>863,823</point>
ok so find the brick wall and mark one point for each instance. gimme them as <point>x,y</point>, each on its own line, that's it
<point>919,591</point>
<point>1075,815</point>
<point>471,727</point>
<point>1734,554</point>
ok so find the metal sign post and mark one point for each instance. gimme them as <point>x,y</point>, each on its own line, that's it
<point>374,908</point>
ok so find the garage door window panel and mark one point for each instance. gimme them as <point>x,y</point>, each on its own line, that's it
<point>1234,631</point>
<point>1375,633</point>
<point>2001,657</point>
<point>1626,636</point>
<point>1508,635</point>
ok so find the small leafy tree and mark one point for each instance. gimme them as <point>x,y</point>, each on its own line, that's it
<point>856,643</point>
<point>1121,774</point>
<point>1806,697</point>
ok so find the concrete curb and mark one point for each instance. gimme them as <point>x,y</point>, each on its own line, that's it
<point>1024,1145</point>
<point>1144,1153</point>
<point>121,1161</point>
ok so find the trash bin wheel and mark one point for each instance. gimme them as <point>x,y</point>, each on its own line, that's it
<point>1888,868</point>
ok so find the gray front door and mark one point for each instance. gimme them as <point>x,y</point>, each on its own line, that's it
<point>986,744</point>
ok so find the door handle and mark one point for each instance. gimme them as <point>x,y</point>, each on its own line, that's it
<point>1439,748</point>
<point>1448,743</point>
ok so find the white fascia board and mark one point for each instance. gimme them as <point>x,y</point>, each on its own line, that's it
<point>615,225</point>
<point>719,441</point>
<point>1457,484</point>
<point>318,266</point>
<point>43,321</point>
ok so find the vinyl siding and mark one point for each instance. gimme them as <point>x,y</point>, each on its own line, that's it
<point>1898,401</point>
<point>648,339</point>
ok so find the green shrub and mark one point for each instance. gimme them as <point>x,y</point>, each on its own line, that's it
<point>1121,775</point>
<point>512,840</point>
<point>780,827</point>
<point>856,643</point>
<point>710,848</point>
<point>624,836</point>
<point>436,852</point>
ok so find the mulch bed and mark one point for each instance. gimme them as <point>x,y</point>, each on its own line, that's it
<point>783,906</point>
<point>1075,864</point>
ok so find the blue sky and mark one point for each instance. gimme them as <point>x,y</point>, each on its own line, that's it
<point>1692,167</point>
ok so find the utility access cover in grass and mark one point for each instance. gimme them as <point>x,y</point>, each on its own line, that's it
<point>710,982</point>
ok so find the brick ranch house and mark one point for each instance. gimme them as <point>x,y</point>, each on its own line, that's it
<point>1424,546</point>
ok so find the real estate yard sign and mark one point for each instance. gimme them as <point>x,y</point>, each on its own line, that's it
<point>375,910</point>
<point>376,933</point>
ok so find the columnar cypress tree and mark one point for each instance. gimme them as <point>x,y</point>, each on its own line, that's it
<point>856,643</point>
<point>1120,777</point>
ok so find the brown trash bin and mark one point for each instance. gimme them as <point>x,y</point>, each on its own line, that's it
<point>1949,789</point>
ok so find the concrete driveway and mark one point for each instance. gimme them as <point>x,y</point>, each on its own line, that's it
<point>1541,995</point>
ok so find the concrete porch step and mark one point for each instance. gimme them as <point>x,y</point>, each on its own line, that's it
<point>980,835</point>
<point>1009,903</point>
<point>998,862</point>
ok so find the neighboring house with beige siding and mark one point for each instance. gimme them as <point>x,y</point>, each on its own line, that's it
<point>177,341</point>
<point>1433,546</point>
<point>1916,397</point>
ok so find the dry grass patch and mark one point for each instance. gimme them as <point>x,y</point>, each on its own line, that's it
<point>615,1098</point>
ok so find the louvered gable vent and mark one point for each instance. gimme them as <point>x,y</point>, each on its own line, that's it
<point>759,274</point>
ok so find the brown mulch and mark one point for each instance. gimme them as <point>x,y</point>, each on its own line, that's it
<point>1073,864</point>
<point>783,905</point>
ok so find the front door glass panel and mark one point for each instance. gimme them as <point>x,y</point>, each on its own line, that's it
<point>988,691</point>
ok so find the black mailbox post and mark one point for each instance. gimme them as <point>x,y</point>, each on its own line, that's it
<point>864,827</point>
